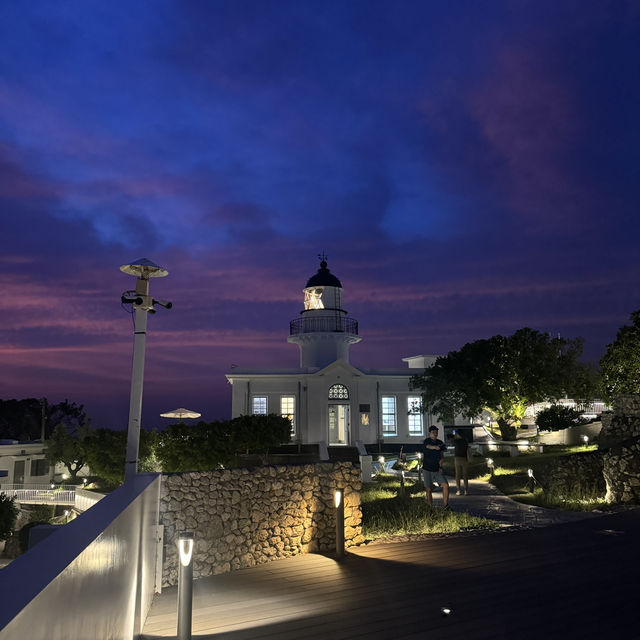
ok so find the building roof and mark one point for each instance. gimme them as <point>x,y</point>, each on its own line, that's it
<point>324,278</point>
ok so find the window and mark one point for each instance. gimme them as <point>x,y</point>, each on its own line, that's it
<point>389,422</point>
<point>338,392</point>
<point>39,467</point>
<point>414,407</point>
<point>313,298</point>
<point>288,410</point>
<point>259,405</point>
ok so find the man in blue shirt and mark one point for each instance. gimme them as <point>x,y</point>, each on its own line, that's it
<point>432,471</point>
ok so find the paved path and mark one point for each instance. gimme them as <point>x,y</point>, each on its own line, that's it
<point>487,501</point>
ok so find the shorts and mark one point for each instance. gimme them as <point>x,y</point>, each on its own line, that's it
<point>429,477</point>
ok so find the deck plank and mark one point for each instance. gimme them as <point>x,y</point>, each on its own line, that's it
<point>581,572</point>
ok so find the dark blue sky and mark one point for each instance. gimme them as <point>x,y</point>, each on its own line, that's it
<point>469,168</point>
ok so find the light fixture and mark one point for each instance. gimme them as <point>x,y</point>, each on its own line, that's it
<point>339,502</point>
<point>185,548</point>
<point>445,611</point>
<point>585,439</point>
<point>530,473</point>
<point>185,585</point>
<point>143,304</point>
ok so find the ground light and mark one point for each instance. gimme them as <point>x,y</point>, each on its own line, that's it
<point>185,585</point>
<point>339,502</point>
<point>143,304</point>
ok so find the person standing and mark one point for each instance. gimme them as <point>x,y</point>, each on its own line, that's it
<point>432,467</point>
<point>461,461</point>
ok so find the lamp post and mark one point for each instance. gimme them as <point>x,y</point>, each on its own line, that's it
<point>339,502</point>
<point>185,585</point>
<point>143,304</point>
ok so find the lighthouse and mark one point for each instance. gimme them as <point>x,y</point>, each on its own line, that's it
<point>323,332</point>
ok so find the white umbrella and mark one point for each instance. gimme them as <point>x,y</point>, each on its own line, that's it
<point>180,414</point>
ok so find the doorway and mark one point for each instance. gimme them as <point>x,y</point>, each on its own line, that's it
<point>18,472</point>
<point>338,424</point>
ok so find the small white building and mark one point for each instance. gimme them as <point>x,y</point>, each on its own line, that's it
<point>326,398</point>
<point>23,463</point>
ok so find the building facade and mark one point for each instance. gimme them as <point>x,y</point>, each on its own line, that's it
<point>326,398</point>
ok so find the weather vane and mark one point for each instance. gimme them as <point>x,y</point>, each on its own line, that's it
<point>322,257</point>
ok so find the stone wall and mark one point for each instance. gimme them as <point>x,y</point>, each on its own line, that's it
<point>620,445</point>
<point>578,476</point>
<point>244,517</point>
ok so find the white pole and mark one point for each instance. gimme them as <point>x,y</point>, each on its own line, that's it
<point>137,377</point>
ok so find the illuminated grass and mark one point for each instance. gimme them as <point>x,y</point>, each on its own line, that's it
<point>413,516</point>
<point>511,477</point>
<point>385,513</point>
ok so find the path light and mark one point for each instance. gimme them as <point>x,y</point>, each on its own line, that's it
<point>585,439</point>
<point>185,585</point>
<point>339,502</point>
<point>532,480</point>
<point>143,304</point>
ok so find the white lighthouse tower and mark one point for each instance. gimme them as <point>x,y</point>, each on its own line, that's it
<point>323,333</point>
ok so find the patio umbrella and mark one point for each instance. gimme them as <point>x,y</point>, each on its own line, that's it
<point>181,414</point>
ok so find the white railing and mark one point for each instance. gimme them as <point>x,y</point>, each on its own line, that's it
<point>62,494</point>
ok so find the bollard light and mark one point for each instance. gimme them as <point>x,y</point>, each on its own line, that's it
<point>339,502</point>
<point>530,473</point>
<point>185,585</point>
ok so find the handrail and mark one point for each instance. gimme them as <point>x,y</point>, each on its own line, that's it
<point>329,324</point>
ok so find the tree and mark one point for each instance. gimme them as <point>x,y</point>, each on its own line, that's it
<point>504,375</point>
<point>23,419</point>
<point>68,449</point>
<point>558,417</point>
<point>105,453</point>
<point>8,516</point>
<point>209,445</point>
<point>620,365</point>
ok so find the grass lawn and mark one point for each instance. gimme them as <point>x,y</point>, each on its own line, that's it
<point>386,512</point>
<point>511,477</point>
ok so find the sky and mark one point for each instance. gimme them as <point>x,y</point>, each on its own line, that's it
<point>469,169</point>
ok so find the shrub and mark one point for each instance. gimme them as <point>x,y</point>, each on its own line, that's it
<point>8,516</point>
<point>558,417</point>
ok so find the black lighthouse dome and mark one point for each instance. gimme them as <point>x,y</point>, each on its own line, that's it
<point>324,278</point>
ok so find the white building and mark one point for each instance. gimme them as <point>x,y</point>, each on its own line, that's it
<point>23,463</point>
<point>328,399</point>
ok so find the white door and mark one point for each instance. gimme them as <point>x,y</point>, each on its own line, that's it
<point>338,424</point>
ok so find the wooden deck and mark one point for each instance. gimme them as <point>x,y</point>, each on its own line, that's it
<point>576,580</point>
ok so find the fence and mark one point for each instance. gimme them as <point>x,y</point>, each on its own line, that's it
<point>55,494</point>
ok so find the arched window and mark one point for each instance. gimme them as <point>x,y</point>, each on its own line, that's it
<point>338,392</point>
